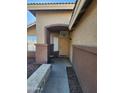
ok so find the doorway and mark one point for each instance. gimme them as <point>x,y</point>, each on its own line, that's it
<point>63,46</point>
<point>58,40</point>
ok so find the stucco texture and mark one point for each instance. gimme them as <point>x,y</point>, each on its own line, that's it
<point>46,18</point>
<point>85,32</point>
<point>83,45</point>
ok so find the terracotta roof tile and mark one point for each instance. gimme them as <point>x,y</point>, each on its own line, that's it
<point>49,3</point>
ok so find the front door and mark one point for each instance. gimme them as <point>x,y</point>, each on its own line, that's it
<point>64,46</point>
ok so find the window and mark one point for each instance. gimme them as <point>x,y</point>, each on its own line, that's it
<point>31,41</point>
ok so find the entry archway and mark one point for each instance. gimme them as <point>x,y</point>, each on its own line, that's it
<point>57,39</point>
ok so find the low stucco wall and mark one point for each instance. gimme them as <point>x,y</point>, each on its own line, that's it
<point>30,54</point>
<point>85,65</point>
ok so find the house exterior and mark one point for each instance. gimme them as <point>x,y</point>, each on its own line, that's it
<point>50,20</point>
<point>68,30</point>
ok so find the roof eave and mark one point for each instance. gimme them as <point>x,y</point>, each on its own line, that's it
<point>76,12</point>
<point>51,7</point>
<point>44,7</point>
<point>79,10</point>
<point>32,24</point>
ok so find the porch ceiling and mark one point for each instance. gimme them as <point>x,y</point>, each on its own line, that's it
<point>58,28</point>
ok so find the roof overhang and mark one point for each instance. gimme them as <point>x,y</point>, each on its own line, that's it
<point>79,10</point>
<point>78,7</point>
<point>33,7</point>
<point>32,24</point>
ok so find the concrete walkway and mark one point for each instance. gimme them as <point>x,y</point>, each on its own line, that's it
<point>58,80</point>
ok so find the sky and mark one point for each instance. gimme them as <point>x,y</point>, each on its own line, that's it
<point>31,18</point>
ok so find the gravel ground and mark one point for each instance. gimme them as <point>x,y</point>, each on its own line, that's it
<point>31,67</point>
<point>73,81</point>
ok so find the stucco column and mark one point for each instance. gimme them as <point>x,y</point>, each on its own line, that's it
<point>41,35</point>
<point>41,53</point>
<point>41,46</point>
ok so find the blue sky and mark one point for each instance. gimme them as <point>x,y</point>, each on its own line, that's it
<point>31,18</point>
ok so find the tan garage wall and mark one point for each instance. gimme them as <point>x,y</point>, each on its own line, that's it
<point>85,32</point>
<point>83,54</point>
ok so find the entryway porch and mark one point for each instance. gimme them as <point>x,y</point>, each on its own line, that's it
<point>60,78</point>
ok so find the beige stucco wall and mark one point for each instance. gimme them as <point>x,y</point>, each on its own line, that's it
<point>31,30</point>
<point>85,32</point>
<point>46,18</point>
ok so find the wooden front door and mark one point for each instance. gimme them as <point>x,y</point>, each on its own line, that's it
<point>63,46</point>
